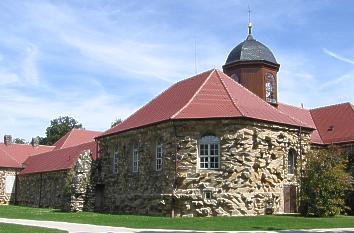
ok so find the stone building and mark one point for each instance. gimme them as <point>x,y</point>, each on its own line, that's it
<point>218,149</point>
<point>60,178</point>
<point>216,144</point>
<point>11,158</point>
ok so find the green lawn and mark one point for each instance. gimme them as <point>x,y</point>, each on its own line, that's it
<point>214,223</point>
<point>18,228</point>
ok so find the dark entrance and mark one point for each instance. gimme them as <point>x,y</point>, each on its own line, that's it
<point>290,199</point>
<point>99,197</point>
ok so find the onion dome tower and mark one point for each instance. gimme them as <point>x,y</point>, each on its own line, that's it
<point>254,66</point>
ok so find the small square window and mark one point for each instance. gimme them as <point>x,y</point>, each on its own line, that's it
<point>208,195</point>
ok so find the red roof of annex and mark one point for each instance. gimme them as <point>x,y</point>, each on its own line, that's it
<point>334,123</point>
<point>57,160</point>
<point>13,155</point>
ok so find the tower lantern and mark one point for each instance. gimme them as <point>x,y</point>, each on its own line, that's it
<point>253,65</point>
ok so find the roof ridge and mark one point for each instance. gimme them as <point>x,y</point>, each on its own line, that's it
<point>331,105</point>
<point>69,133</point>
<point>293,106</point>
<point>195,94</point>
<point>228,93</point>
<point>10,156</point>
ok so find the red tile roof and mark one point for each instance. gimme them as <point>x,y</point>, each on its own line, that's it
<point>303,115</point>
<point>75,137</point>
<point>335,123</point>
<point>56,160</point>
<point>211,94</point>
<point>13,155</point>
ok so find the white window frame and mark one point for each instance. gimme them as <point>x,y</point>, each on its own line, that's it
<point>115,159</point>
<point>135,159</point>
<point>10,184</point>
<point>292,165</point>
<point>158,158</point>
<point>208,150</point>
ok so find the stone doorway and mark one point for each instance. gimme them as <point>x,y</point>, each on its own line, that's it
<point>99,194</point>
<point>290,199</point>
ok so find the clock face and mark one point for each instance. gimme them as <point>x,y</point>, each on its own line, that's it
<point>235,77</point>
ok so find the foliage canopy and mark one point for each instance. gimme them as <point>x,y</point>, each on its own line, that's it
<point>58,128</point>
<point>324,183</point>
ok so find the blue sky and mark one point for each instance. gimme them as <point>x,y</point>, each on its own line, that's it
<point>101,60</point>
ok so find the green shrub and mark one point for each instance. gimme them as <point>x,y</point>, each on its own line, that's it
<point>324,183</point>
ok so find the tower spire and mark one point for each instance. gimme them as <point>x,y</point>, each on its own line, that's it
<point>249,21</point>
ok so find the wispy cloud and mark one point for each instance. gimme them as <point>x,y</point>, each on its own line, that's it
<point>100,60</point>
<point>338,57</point>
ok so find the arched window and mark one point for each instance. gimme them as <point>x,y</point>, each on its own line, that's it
<point>209,152</point>
<point>270,88</point>
<point>291,161</point>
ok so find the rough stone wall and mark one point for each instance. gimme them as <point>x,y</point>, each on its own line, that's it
<point>253,168</point>
<point>48,189</point>
<point>82,193</point>
<point>6,198</point>
<point>146,191</point>
<point>69,190</point>
<point>251,178</point>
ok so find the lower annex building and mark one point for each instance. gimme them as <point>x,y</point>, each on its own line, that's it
<point>219,143</point>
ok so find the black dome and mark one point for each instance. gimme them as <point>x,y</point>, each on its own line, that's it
<point>251,50</point>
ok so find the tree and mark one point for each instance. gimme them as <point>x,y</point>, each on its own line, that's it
<point>116,122</point>
<point>58,128</point>
<point>324,183</point>
<point>19,141</point>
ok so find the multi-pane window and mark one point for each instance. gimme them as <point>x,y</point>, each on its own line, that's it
<point>270,88</point>
<point>209,152</point>
<point>291,162</point>
<point>135,159</point>
<point>115,160</point>
<point>158,166</point>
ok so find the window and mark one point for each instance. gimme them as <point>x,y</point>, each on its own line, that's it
<point>10,184</point>
<point>270,88</point>
<point>208,195</point>
<point>158,166</point>
<point>209,152</point>
<point>135,159</point>
<point>115,160</point>
<point>291,161</point>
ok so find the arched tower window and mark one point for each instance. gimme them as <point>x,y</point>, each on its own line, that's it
<point>291,161</point>
<point>270,88</point>
<point>209,152</point>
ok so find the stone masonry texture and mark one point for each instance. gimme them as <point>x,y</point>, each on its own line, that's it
<point>250,181</point>
<point>6,198</point>
<point>69,190</point>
